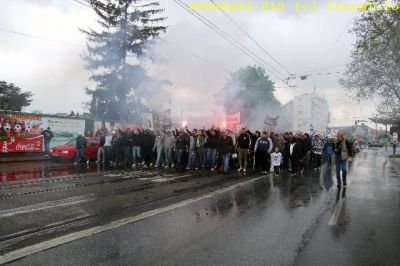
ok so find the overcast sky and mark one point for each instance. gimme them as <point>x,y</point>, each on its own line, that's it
<point>52,69</point>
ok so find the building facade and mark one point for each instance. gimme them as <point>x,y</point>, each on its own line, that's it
<point>308,112</point>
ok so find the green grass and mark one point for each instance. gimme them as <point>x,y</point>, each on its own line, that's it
<point>395,156</point>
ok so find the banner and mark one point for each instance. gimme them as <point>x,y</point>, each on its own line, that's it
<point>147,121</point>
<point>33,144</point>
<point>270,123</point>
<point>64,129</point>
<point>233,119</point>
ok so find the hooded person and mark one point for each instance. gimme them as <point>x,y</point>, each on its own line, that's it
<point>296,155</point>
<point>81,144</point>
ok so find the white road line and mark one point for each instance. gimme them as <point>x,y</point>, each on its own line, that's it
<point>17,254</point>
<point>47,205</point>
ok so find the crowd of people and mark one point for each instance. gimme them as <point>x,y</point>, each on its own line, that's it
<point>212,149</point>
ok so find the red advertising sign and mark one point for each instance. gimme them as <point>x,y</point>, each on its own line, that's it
<point>32,144</point>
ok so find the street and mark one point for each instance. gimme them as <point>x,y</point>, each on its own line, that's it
<point>121,217</point>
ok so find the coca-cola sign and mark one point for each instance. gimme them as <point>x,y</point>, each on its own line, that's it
<point>34,144</point>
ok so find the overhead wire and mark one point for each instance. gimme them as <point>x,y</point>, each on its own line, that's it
<point>228,38</point>
<point>250,37</point>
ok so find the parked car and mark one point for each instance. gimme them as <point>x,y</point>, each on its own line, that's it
<point>375,144</point>
<point>68,150</point>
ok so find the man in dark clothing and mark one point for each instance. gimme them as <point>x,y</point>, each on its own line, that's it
<point>212,141</point>
<point>261,149</point>
<point>181,145</point>
<point>306,145</point>
<point>296,155</point>
<point>243,146</point>
<point>147,144</point>
<point>117,145</point>
<point>81,144</point>
<point>48,135</point>
<point>254,138</point>
<point>226,148</point>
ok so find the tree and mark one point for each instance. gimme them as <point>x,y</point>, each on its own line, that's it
<point>250,92</point>
<point>114,54</point>
<point>11,97</point>
<point>375,67</point>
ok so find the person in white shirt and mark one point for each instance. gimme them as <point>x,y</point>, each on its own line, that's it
<point>276,161</point>
<point>107,147</point>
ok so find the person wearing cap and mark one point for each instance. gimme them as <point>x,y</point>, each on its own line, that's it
<point>317,148</point>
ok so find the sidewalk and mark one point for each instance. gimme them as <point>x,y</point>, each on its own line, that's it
<point>22,157</point>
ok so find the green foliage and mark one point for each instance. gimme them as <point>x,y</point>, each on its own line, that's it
<point>11,97</point>
<point>375,68</point>
<point>248,89</point>
<point>114,54</point>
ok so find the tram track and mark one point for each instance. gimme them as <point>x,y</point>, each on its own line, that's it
<point>115,177</point>
<point>33,235</point>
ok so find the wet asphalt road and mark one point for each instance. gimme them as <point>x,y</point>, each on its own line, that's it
<point>274,221</point>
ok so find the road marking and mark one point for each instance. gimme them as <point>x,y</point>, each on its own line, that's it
<point>18,254</point>
<point>47,205</point>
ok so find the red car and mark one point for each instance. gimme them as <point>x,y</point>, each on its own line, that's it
<point>68,150</point>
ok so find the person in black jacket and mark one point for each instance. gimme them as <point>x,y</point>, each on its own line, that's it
<point>147,144</point>
<point>48,135</point>
<point>81,144</point>
<point>211,146</point>
<point>296,155</point>
<point>226,148</point>
<point>117,145</point>
<point>243,145</point>
<point>127,148</point>
<point>181,146</point>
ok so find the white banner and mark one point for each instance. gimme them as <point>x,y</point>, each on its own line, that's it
<point>147,121</point>
<point>270,123</point>
<point>233,119</point>
<point>64,129</point>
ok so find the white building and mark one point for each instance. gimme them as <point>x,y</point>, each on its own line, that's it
<point>308,111</point>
